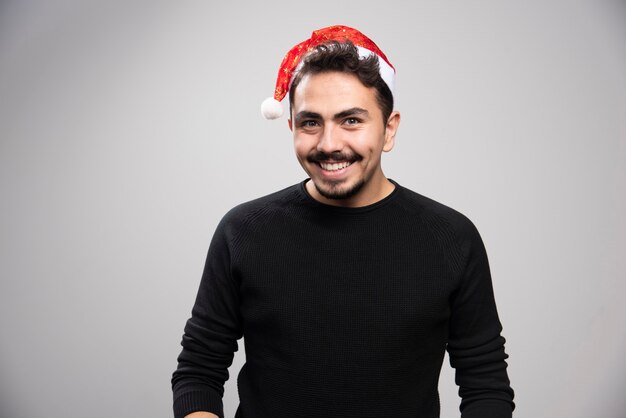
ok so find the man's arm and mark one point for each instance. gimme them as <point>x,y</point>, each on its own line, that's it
<point>475,345</point>
<point>211,335</point>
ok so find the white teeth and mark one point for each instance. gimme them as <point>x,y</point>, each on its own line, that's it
<point>334,166</point>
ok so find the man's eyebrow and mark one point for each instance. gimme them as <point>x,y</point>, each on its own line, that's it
<point>305,114</point>
<point>351,112</point>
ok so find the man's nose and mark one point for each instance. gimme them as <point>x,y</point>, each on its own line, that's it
<point>330,140</point>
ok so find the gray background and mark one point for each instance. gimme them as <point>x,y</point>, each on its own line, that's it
<point>129,128</point>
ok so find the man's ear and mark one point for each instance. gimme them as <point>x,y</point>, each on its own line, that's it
<point>290,125</point>
<point>390,131</point>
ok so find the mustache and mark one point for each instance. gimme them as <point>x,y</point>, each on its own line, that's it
<point>321,156</point>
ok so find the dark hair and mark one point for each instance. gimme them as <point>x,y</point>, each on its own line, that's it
<point>344,57</point>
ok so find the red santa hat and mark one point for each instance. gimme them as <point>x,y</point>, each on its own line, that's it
<point>271,107</point>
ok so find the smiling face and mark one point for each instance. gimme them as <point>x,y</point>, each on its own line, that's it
<point>339,136</point>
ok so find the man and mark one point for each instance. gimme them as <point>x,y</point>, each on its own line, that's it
<point>347,287</point>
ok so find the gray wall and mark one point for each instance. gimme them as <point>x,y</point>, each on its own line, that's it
<point>127,129</point>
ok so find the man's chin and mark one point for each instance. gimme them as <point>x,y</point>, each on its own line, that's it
<point>338,191</point>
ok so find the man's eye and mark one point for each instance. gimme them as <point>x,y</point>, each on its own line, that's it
<point>308,124</point>
<point>352,121</point>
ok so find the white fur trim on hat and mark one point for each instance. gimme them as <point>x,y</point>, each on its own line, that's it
<point>387,73</point>
<point>271,108</point>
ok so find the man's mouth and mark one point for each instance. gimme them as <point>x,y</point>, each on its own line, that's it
<point>334,166</point>
<point>333,162</point>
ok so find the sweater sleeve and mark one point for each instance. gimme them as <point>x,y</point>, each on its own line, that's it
<point>475,344</point>
<point>210,336</point>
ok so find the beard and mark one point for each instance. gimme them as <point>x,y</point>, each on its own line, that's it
<point>336,192</point>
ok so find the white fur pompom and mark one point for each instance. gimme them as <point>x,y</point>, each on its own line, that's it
<point>271,108</point>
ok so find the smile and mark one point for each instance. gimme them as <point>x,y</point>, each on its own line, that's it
<point>334,166</point>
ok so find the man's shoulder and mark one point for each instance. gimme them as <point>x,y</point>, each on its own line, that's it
<point>265,205</point>
<point>430,206</point>
<point>437,214</point>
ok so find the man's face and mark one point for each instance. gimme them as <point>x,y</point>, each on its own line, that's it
<point>339,136</point>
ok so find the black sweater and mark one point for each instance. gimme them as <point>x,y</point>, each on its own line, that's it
<point>346,312</point>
